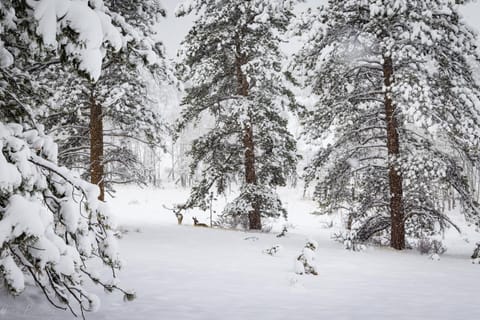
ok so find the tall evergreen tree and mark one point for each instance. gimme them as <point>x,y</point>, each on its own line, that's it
<point>19,51</point>
<point>95,120</point>
<point>232,64</point>
<point>397,112</point>
<point>52,227</point>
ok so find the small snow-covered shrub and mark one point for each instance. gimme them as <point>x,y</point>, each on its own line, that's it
<point>232,221</point>
<point>267,227</point>
<point>273,250</point>
<point>51,224</point>
<point>312,245</point>
<point>305,263</point>
<point>430,246</point>
<point>348,240</point>
<point>283,233</point>
<point>476,254</point>
<point>434,257</point>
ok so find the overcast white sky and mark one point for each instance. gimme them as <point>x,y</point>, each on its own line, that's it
<point>172,30</point>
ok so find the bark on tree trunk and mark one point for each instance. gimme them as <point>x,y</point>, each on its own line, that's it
<point>96,146</point>
<point>254,217</point>
<point>395,179</point>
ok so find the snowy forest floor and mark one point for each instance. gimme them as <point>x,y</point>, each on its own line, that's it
<point>184,272</point>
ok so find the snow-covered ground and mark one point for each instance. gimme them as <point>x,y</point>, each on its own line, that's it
<point>185,272</point>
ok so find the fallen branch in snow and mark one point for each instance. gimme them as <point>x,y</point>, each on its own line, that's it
<point>273,250</point>
<point>283,233</point>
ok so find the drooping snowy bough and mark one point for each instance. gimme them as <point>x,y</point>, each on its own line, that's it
<point>51,223</point>
<point>53,230</point>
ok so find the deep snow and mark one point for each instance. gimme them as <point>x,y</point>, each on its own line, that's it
<point>185,272</point>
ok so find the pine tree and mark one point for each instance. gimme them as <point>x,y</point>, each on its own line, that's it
<point>19,51</point>
<point>397,113</point>
<point>95,120</point>
<point>52,227</point>
<point>232,64</point>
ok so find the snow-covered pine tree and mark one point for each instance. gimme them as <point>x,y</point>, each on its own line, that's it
<point>397,112</point>
<point>19,52</point>
<point>52,227</point>
<point>96,122</point>
<point>232,66</point>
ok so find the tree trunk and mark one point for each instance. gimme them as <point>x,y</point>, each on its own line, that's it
<point>96,146</point>
<point>254,217</point>
<point>395,179</point>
